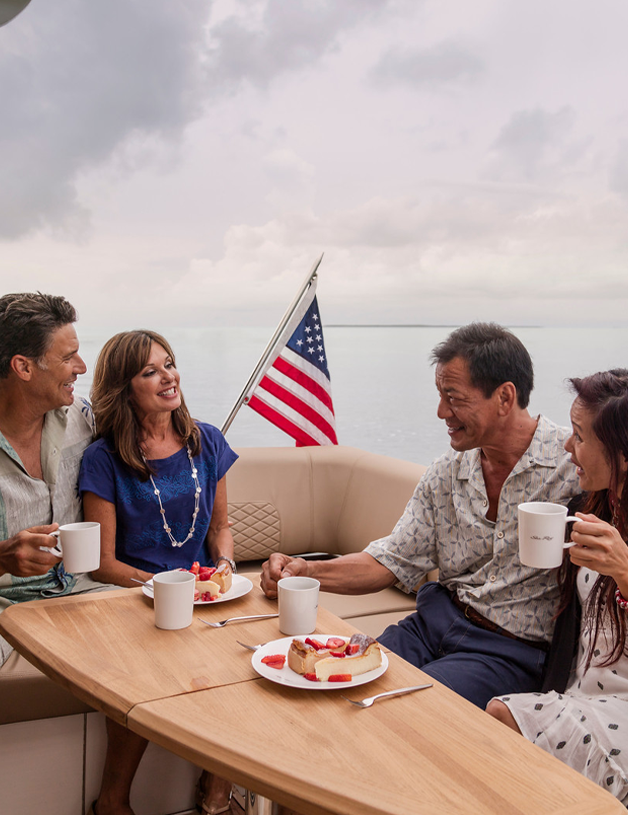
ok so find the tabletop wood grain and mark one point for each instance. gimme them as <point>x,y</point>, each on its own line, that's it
<point>195,692</point>
<point>429,753</point>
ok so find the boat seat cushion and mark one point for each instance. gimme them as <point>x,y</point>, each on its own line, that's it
<point>27,694</point>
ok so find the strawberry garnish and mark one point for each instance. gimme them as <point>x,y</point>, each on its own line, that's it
<point>314,643</point>
<point>207,597</point>
<point>352,649</point>
<point>275,661</point>
<point>338,654</point>
<point>340,678</point>
<point>311,677</point>
<point>205,573</point>
<point>195,567</point>
<point>335,642</point>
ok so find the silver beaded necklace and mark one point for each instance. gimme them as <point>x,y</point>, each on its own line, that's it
<point>197,500</point>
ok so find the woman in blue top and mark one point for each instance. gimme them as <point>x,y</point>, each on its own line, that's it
<point>155,481</point>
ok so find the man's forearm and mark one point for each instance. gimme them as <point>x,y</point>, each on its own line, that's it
<point>358,573</point>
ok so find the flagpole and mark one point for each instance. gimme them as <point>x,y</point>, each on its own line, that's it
<point>271,345</point>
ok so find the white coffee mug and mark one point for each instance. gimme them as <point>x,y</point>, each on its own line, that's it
<point>173,593</point>
<point>79,546</point>
<point>542,534</point>
<point>298,604</point>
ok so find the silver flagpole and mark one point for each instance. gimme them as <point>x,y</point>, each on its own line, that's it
<point>271,346</point>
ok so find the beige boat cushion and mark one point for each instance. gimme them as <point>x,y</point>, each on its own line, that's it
<point>314,499</point>
<point>27,694</point>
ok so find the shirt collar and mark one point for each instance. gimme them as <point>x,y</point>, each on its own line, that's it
<point>543,451</point>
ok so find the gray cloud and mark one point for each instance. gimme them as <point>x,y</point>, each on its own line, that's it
<point>445,64</point>
<point>78,80</point>
<point>619,170</point>
<point>534,144</point>
<point>286,36</point>
<point>82,83</point>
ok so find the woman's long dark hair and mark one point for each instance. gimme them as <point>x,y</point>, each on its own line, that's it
<point>123,357</point>
<point>605,396</point>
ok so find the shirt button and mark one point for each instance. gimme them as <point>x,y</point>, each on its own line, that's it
<point>500,534</point>
<point>493,578</point>
<point>485,503</point>
<point>54,452</point>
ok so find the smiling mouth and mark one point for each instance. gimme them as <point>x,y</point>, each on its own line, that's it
<point>170,392</point>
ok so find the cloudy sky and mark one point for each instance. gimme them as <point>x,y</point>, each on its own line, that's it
<point>188,161</point>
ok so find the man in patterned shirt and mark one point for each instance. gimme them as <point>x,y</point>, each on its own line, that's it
<point>43,433</point>
<point>487,622</point>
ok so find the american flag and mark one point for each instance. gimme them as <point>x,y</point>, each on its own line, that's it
<point>295,392</point>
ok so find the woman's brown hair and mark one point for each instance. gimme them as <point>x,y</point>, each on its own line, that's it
<point>605,396</point>
<point>122,358</point>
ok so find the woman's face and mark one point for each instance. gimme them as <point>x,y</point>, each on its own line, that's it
<point>587,451</point>
<point>156,388</point>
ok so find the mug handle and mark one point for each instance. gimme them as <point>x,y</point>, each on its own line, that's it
<point>52,550</point>
<point>565,545</point>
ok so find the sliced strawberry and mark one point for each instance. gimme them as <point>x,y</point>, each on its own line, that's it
<point>335,642</point>
<point>340,678</point>
<point>195,567</point>
<point>338,654</point>
<point>205,574</point>
<point>275,661</point>
<point>311,677</point>
<point>352,649</point>
<point>314,643</point>
<point>207,597</point>
<point>197,595</point>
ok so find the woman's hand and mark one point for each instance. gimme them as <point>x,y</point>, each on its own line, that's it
<point>600,547</point>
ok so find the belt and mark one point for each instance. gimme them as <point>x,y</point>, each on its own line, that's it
<point>476,618</point>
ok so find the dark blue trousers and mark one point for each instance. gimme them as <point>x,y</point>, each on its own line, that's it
<point>477,664</point>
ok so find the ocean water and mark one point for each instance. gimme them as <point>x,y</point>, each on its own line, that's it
<point>382,381</point>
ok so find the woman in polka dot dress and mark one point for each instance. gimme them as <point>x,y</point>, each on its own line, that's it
<point>586,726</point>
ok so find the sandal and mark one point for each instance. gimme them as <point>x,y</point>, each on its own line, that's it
<point>201,792</point>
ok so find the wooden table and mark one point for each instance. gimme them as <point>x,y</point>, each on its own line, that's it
<point>194,692</point>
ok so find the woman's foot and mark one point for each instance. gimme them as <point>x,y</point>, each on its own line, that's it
<point>213,794</point>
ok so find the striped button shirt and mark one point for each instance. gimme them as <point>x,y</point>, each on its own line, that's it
<point>27,501</point>
<point>444,527</point>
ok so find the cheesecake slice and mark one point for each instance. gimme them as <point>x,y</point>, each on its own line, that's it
<point>334,657</point>
<point>366,658</point>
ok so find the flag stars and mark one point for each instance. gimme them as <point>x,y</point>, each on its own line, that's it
<point>310,350</point>
<point>307,329</point>
<point>299,342</point>
<point>321,358</point>
<point>310,339</point>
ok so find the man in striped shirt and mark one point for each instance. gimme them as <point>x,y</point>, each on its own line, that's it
<point>43,433</point>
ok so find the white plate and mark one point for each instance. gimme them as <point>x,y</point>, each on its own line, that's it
<point>286,676</point>
<point>239,587</point>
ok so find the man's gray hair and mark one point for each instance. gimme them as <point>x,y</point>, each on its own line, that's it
<point>27,322</point>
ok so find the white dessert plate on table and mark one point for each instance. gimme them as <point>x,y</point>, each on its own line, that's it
<point>286,676</point>
<point>239,587</point>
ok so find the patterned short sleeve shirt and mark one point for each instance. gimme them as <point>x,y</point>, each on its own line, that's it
<point>444,527</point>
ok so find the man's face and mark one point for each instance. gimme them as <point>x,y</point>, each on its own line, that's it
<point>469,415</point>
<point>52,382</point>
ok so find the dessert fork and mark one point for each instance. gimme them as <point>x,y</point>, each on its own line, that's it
<point>251,647</point>
<point>370,699</point>
<point>234,619</point>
